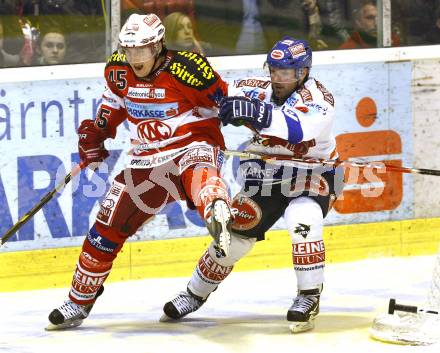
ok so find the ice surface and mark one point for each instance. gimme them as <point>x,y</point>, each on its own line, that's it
<point>246,314</point>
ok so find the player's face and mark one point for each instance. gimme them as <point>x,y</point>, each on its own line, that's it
<point>143,69</point>
<point>53,48</point>
<point>141,59</point>
<point>285,81</point>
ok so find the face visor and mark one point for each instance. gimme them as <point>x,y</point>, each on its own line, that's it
<point>279,75</point>
<point>138,55</point>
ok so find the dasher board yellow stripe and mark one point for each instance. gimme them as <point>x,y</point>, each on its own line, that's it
<point>51,268</point>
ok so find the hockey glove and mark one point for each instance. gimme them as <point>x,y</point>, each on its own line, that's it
<point>91,143</point>
<point>239,110</point>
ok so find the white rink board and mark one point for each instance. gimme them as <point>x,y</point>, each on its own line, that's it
<point>37,129</point>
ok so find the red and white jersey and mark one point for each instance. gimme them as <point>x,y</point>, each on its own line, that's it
<point>172,109</point>
<point>312,106</point>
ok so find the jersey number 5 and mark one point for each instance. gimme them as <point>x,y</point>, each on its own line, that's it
<point>118,78</point>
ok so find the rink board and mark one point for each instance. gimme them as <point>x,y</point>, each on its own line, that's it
<point>37,127</point>
<point>51,268</point>
<point>39,118</point>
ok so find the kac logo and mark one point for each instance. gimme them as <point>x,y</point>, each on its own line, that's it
<point>153,130</point>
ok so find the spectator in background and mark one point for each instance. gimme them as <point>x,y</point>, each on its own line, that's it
<point>314,24</point>
<point>219,23</point>
<point>365,24</point>
<point>161,8</point>
<point>433,35</point>
<point>6,59</point>
<point>16,42</point>
<point>414,19</point>
<point>277,18</point>
<point>180,33</point>
<point>265,21</point>
<point>335,22</point>
<point>52,48</point>
<point>251,39</point>
<point>83,25</point>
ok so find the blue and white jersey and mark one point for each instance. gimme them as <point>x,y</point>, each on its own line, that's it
<point>301,127</point>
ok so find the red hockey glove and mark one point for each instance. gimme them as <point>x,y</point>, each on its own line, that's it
<point>91,143</point>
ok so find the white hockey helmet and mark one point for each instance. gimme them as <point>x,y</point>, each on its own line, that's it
<point>140,37</point>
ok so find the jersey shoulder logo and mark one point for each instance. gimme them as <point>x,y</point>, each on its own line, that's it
<point>191,69</point>
<point>328,97</point>
<point>117,59</point>
<point>306,95</point>
<point>250,82</point>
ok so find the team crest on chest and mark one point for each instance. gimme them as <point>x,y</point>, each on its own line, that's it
<point>153,130</point>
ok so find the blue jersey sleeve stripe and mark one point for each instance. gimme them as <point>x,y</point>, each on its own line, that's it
<point>295,132</point>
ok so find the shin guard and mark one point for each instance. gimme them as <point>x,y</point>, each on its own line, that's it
<point>89,276</point>
<point>211,270</point>
<point>95,262</point>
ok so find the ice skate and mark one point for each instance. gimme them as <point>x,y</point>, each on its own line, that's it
<point>70,314</point>
<point>303,311</point>
<point>218,218</point>
<point>183,304</point>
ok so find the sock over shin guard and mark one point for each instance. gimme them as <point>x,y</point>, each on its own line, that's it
<point>305,224</point>
<point>212,270</point>
<point>89,276</point>
<point>95,262</point>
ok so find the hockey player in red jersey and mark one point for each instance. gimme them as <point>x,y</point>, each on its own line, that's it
<point>169,100</point>
<point>291,114</point>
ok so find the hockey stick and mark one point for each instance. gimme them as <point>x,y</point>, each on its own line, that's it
<point>332,163</point>
<point>44,200</point>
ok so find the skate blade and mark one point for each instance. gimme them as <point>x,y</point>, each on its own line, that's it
<point>166,318</point>
<point>65,326</point>
<point>222,215</point>
<point>298,327</point>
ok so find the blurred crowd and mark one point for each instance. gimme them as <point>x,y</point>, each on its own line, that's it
<point>47,32</point>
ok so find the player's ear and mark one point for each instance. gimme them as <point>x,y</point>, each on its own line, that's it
<point>159,47</point>
<point>303,74</point>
